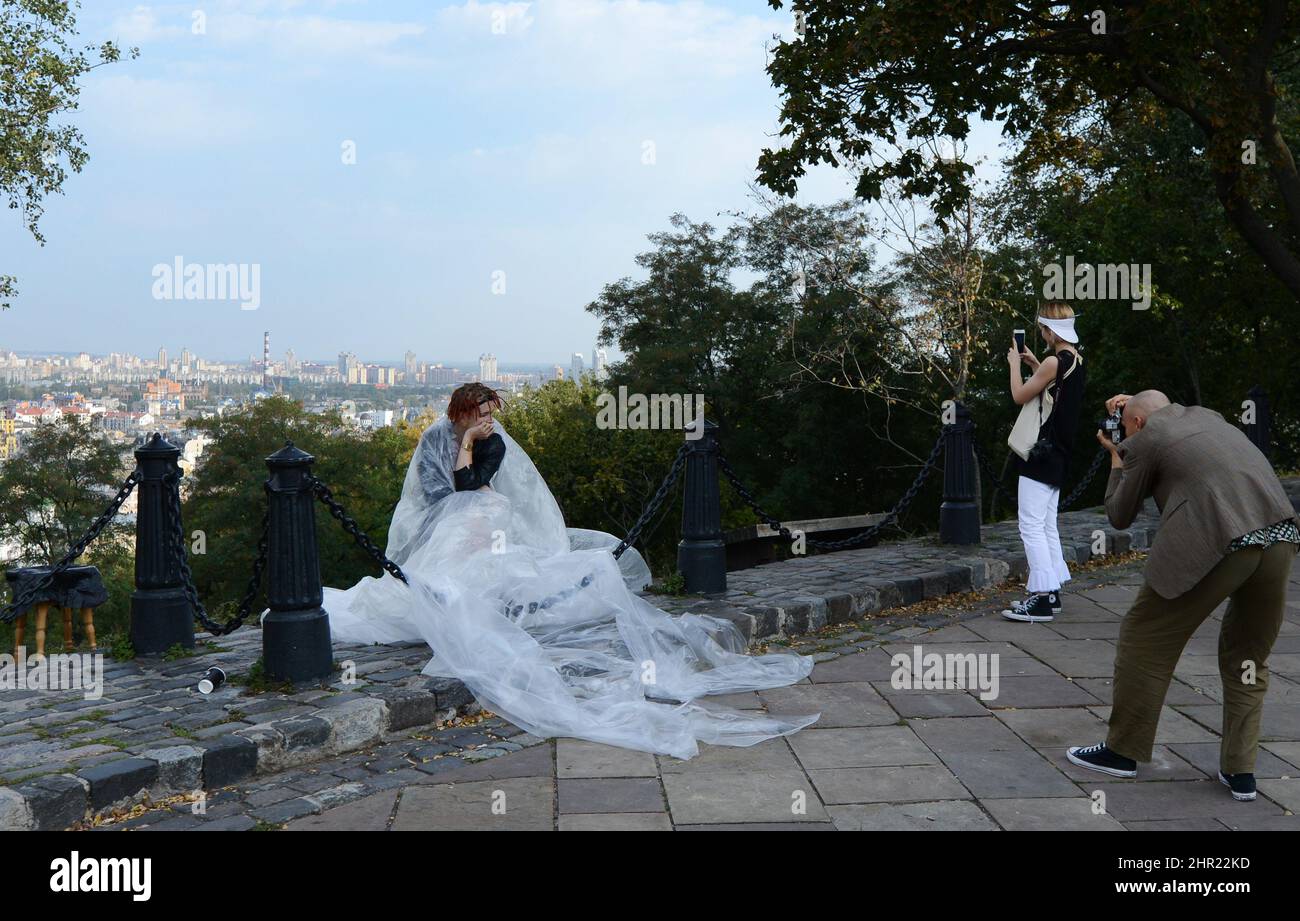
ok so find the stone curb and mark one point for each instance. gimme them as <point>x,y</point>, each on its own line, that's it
<point>810,611</point>
<point>57,801</point>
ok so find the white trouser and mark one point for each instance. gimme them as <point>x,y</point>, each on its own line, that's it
<point>1037,509</point>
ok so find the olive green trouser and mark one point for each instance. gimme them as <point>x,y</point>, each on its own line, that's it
<point>1155,630</point>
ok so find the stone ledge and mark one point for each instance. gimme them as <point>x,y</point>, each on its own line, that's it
<point>803,594</point>
<point>57,801</point>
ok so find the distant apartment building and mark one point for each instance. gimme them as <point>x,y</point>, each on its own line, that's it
<point>576,366</point>
<point>487,367</point>
<point>440,375</point>
<point>375,418</point>
<point>8,438</point>
<point>128,422</point>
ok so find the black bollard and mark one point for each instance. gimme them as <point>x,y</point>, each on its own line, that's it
<point>160,613</point>
<point>1260,429</point>
<point>702,555</point>
<point>296,631</point>
<point>959,516</point>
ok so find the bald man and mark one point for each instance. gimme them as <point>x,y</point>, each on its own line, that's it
<point>1227,531</point>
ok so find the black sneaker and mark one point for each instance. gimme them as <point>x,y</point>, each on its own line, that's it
<point>1055,598</point>
<point>1100,758</point>
<point>1241,785</point>
<point>1035,609</point>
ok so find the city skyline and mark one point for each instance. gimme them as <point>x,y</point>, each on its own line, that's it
<point>291,144</point>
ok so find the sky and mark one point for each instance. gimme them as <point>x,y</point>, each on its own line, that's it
<point>509,161</point>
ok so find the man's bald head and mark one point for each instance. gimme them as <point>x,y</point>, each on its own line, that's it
<point>1139,409</point>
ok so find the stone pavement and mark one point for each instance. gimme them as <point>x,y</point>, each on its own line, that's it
<point>65,755</point>
<point>881,757</point>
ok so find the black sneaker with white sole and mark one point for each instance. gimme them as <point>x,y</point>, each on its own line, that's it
<point>1241,785</point>
<point>1100,758</point>
<point>1055,598</point>
<point>1035,609</point>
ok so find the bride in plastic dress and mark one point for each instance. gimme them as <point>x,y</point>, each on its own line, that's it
<point>540,621</point>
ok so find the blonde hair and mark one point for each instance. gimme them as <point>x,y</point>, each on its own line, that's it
<point>1053,310</point>
<point>1056,310</point>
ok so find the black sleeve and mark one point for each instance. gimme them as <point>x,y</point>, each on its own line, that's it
<point>486,459</point>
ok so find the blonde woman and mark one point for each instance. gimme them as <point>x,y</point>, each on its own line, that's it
<point>1061,374</point>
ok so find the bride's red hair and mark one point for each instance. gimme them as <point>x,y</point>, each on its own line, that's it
<point>467,398</point>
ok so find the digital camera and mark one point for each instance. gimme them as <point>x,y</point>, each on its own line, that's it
<point>1113,426</point>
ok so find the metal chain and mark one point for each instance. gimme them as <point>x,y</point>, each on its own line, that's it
<point>176,542</point>
<point>363,540</point>
<point>10,611</point>
<point>862,537</point>
<point>1087,478</point>
<point>652,507</point>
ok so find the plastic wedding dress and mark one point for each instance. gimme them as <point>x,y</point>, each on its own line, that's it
<point>543,624</point>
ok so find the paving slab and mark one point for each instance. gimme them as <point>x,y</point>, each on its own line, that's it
<point>1069,813</point>
<point>929,704</point>
<point>1008,774</point>
<point>610,795</point>
<point>577,758</point>
<point>1179,799</point>
<point>963,734</point>
<point>508,804</point>
<point>631,821</point>
<point>769,756</point>
<point>1037,691</point>
<point>888,785</point>
<point>877,746</point>
<point>1055,728</point>
<point>841,704</point>
<point>713,797</point>
<point>944,815</point>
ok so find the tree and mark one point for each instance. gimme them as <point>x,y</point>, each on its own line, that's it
<point>602,477</point>
<point>40,67</point>
<point>65,478</point>
<point>226,497</point>
<point>804,448</point>
<point>907,331</point>
<point>878,85</point>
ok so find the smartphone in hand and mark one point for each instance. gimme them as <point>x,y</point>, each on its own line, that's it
<point>1020,339</point>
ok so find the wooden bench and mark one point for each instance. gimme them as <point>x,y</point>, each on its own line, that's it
<point>756,544</point>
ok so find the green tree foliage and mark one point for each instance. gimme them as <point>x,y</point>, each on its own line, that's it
<point>50,495</point>
<point>601,477</point>
<point>40,69</point>
<point>876,85</point>
<point>226,497</point>
<point>806,439</point>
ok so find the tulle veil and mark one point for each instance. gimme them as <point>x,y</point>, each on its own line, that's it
<point>544,625</point>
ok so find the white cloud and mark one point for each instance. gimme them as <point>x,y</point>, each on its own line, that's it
<point>164,115</point>
<point>605,43</point>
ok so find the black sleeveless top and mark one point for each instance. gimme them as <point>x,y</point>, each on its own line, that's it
<point>1062,425</point>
